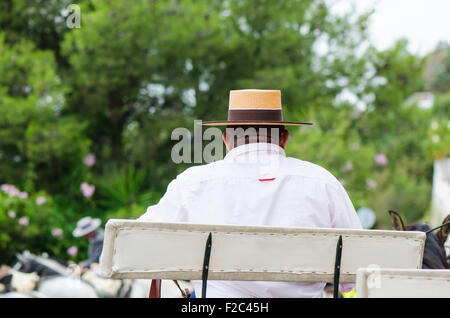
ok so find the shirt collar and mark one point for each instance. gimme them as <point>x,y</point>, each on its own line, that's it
<point>255,148</point>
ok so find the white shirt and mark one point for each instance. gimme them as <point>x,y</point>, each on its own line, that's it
<point>256,184</point>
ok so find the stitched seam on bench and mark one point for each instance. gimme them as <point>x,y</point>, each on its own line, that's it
<point>262,271</point>
<point>272,234</point>
<point>416,277</point>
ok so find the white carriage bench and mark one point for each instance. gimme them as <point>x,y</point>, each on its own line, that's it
<point>185,251</point>
<point>402,283</point>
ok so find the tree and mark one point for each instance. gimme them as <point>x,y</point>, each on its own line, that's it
<point>140,69</point>
<point>37,144</point>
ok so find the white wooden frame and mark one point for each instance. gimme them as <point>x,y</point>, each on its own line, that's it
<point>147,250</point>
<point>402,283</point>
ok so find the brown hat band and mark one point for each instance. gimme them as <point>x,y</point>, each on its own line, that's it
<point>259,115</point>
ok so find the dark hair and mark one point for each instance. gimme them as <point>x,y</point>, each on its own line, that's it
<point>245,134</point>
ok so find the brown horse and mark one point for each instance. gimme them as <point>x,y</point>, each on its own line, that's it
<point>434,252</point>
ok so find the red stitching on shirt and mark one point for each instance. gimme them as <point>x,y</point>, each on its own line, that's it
<point>267,179</point>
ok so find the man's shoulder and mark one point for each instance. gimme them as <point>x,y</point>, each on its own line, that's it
<point>307,169</point>
<point>201,172</point>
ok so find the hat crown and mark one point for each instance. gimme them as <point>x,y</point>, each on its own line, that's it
<point>84,222</point>
<point>255,99</point>
<point>254,107</point>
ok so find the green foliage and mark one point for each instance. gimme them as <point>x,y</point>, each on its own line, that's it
<point>398,191</point>
<point>27,223</point>
<point>127,212</point>
<point>441,80</point>
<point>36,143</point>
<point>438,135</point>
<point>123,188</point>
<point>149,65</point>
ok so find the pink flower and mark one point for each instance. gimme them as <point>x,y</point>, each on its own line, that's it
<point>72,251</point>
<point>23,195</point>
<point>6,187</point>
<point>348,166</point>
<point>371,184</point>
<point>24,221</point>
<point>87,190</point>
<point>12,191</point>
<point>9,189</point>
<point>380,159</point>
<point>41,200</point>
<point>89,160</point>
<point>12,214</point>
<point>57,232</point>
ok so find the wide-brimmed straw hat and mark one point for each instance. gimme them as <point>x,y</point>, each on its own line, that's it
<point>254,107</point>
<point>85,226</point>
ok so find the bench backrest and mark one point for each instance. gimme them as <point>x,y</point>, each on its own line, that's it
<point>148,250</point>
<point>402,283</point>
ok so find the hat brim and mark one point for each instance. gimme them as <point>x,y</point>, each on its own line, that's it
<point>92,227</point>
<point>251,123</point>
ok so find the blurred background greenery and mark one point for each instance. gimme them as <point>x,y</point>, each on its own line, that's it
<point>86,113</point>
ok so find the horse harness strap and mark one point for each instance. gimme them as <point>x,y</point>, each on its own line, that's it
<point>185,293</point>
<point>206,264</point>
<point>437,227</point>
<point>337,267</point>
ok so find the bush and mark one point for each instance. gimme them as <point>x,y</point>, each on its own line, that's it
<point>129,212</point>
<point>34,223</point>
<point>124,188</point>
